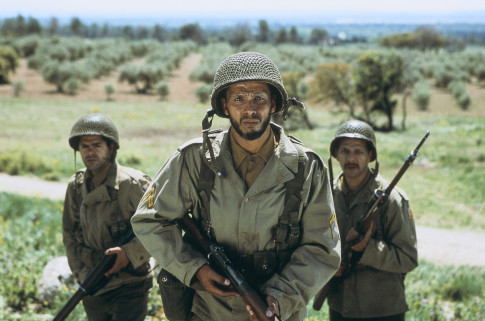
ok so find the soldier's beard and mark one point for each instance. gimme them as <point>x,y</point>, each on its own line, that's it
<point>250,134</point>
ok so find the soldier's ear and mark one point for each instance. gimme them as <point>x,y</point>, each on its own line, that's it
<point>111,148</point>
<point>371,154</point>
<point>224,106</point>
<point>273,104</point>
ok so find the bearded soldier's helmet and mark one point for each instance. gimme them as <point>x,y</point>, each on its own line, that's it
<point>248,66</point>
<point>355,129</point>
<point>93,124</point>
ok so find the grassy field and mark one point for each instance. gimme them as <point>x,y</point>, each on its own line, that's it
<point>445,183</point>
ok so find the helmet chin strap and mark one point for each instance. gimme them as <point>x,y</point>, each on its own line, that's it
<point>288,104</point>
<point>206,143</point>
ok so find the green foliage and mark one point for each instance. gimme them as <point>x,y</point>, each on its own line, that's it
<point>192,32</point>
<point>143,77</point>
<point>59,73</point>
<point>203,92</point>
<point>332,82</point>
<point>458,90</point>
<point>292,81</point>
<point>377,75</point>
<point>163,89</point>
<point>424,38</point>
<point>72,85</point>
<point>109,89</point>
<point>212,57</point>
<point>26,46</point>
<point>318,36</point>
<point>21,162</point>
<point>18,86</point>
<point>9,61</point>
<point>422,94</point>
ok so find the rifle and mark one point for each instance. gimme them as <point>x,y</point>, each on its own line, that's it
<point>349,257</point>
<point>215,253</point>
<point>95,281</point>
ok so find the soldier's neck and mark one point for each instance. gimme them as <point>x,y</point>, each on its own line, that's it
<point>252,146</point>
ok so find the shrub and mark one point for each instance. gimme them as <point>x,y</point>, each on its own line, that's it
<point>59,73</point>
<point>422,94</point>
<point>147,75</point>
<point>18,86</point>
<point>464,100</point>
<point>203,92</point>
<point>109,89</point>
<point>9,61</point>
<point>72,84</point>
<point>162,89</point>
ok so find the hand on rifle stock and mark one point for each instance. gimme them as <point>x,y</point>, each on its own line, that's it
<point>273,309</point>
<point>363,239</point>
<point>214,283</point>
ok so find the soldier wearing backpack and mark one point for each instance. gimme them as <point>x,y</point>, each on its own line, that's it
<point>256,191</point>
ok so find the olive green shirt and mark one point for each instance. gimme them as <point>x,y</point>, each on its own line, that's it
<point>375,288</point>
<point>248,165</point>
<point>243,220</point>
<point>88,217</point>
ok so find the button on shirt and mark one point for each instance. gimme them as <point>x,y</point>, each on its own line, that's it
<point>249,166</point>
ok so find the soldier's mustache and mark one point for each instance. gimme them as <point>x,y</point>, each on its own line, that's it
<point>351,164</point>
<point>251,117</point>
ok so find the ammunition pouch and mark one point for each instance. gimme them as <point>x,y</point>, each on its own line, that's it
<point>176,297</point>
<point>259,267</point>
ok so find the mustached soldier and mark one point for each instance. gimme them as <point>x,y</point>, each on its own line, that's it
<point>269,202</point>
<point>100,200</point>
<point>374,289</point>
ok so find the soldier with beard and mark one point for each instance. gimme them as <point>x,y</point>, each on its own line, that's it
<point>269,202</point>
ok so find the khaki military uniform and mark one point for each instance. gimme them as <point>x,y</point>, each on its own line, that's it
<point>90,217</point>
<point>376,286</point>
<point>243,222</point>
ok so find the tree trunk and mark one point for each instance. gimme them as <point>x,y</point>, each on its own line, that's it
<point>404,110</point>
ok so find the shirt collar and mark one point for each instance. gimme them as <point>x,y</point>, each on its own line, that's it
<point>98,179</point>
<point>239,153</point>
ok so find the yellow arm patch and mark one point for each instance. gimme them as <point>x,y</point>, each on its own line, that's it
<point>333,225</point>
<point>150,195</point>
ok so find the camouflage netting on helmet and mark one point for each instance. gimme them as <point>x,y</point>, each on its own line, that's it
<point>355,129</point>
<point>93,124</point>
<point>247,66</point>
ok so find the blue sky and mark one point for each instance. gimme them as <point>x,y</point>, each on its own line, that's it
<point>246,8</point>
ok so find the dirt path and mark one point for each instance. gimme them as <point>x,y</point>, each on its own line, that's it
<point>446,247</point>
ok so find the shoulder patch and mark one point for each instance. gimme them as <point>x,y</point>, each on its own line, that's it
<point>410,213</point>
<point>333,225</point>
<point>150,195</point>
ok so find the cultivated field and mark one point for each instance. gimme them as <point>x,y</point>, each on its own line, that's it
<point>445,184</point>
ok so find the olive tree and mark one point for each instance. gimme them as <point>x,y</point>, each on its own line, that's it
<point>59,73</point>
<point>143,77</point>
<point>377,76</point>
<point>9,61</point>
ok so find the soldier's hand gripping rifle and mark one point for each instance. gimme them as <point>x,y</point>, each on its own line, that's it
<point>216,254</point>
<point>349,257</point>
<point>95,281</point>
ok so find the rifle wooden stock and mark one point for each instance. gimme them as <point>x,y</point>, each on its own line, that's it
<point>216,253</point>
<point>362,225</point>
<point>95,280</point>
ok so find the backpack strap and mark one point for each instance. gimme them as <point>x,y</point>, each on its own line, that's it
<point>206,183</point>
<point>287,233</point>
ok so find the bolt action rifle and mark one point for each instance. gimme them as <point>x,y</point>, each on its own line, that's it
<point>215,253</point>
<point>95,281</point>
<point>350,257</point>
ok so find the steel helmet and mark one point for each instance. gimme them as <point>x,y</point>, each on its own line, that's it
<point>93,124</point>
<point>247,66</point>
<point>355,129</point>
